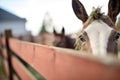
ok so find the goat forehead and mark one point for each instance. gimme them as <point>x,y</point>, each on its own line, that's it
<point>98,33</point>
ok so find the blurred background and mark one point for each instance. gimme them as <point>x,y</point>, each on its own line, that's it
<point>34,20</point>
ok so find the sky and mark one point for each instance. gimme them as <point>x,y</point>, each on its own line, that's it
<point>60,10</point>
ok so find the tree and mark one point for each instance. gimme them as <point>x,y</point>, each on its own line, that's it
<point>43,29</point>
<point>47,24</point>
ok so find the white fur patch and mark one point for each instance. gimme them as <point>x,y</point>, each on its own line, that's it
<point>98,33</point>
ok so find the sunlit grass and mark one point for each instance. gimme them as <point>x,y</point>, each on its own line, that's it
<point>35,73</point>
<point>2,73</point>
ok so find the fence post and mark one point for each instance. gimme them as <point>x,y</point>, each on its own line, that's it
<point>8,34</point>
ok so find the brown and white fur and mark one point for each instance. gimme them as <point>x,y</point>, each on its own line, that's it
<point>99,34</point>
<point>62,40</point>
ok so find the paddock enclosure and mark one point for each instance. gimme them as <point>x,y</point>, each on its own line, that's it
<point>54,63</point>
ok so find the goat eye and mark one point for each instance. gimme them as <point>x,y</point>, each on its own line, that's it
<point>82,38</point>
<point>116,36</point>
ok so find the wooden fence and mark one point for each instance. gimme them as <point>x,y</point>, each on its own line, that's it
<point>54,63</point>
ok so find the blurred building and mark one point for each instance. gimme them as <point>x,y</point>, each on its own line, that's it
<point>13,22</point>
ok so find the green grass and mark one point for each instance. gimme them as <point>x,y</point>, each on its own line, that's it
<point>2,73</point>
<point>119,49</point>
<point>35,73</point>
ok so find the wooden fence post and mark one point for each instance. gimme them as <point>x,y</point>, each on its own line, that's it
<point>8,34</point>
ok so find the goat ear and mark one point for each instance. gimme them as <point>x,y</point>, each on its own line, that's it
<point>63,31</point>
<point>113,9</point>
<point>54,32</point>
<point>79,10</point>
